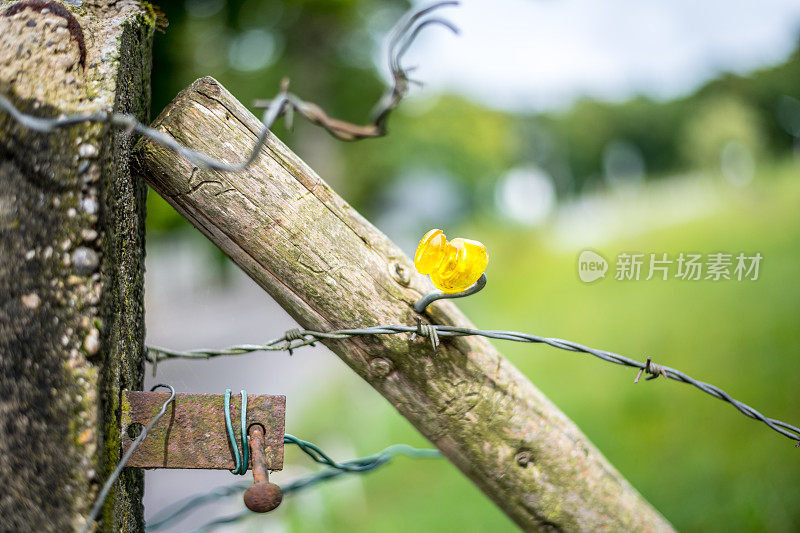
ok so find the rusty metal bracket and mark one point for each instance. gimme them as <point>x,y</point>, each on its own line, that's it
<point>192,433</point>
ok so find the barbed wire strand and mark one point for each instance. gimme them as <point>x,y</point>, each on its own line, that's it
<point>297,338</point>
<point>175,512</point>
<point>101,498</point>
<point>284,104</point>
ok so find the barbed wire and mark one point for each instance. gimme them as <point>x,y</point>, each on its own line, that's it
<point>101,498</point>
<point>297,338</point>
<point>283,104</point>
<point>178,510</point>
<point>400,40</point>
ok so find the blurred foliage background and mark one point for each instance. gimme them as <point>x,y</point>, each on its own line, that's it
<point>714,170</point>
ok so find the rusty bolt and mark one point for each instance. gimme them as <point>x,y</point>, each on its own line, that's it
<point>262,496</point>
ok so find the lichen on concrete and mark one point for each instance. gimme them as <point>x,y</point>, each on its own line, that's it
<point>71,271</point>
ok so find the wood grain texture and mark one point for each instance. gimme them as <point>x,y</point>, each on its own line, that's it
<point>330,268</point>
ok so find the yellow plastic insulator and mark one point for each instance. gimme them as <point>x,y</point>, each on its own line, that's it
<point>452,265</point>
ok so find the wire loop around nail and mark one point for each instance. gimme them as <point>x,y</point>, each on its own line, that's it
<point>242,460</point>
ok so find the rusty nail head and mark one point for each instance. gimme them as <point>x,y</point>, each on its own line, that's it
<point>262,496</point>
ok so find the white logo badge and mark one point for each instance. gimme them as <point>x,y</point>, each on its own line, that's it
<point>591,266</point>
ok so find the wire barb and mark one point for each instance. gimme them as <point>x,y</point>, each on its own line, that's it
<point>654,370</point>
<point>425,330</point>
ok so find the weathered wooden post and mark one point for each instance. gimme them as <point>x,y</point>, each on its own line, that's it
<point>331,269</point>
<point>71,261</point>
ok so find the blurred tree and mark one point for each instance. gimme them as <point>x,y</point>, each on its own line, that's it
<point>328,50</point>
<point>719,121</point>
<point>657,129</point>
<point>469,142</point>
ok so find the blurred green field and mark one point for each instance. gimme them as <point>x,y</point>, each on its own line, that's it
<point>698,460</point>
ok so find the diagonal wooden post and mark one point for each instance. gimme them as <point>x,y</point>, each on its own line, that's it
<point>331,269</point>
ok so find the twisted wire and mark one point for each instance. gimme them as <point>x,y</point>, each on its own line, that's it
<point>176,511</point>
<point>357,465</point>
<point>304,337</point>
<point>283,104</point>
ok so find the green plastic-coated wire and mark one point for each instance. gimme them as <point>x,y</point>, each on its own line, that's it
<point>242,460</point>
<point>245,436</point>
<point>178,510</point>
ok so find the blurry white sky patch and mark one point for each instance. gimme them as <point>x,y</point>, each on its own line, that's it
<point>597,219</point>
<point>543,54</point>
<point>252,50</point>
<point>526,196</point>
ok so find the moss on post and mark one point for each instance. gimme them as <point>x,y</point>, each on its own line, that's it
<point>72,263</point>
<point>331,269</point>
